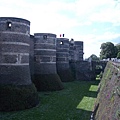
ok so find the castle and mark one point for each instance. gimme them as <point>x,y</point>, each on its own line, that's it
<point>41,59</point>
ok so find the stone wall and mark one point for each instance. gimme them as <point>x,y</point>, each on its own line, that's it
<point>16,89</point>
<point>24,57</point>
<point>62,59</point>
<point>81,70</point>
<point>75,50</point>
<point>14,48</point>
<point>45,73</point>
<point>107,105</point>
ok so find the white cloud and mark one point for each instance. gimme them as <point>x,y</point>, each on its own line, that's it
<point>48,17</point>
<point>108,15</point>
<point>93,42</point>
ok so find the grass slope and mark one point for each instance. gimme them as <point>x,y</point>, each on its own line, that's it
<point>109,96</point>
<point>75,102</point>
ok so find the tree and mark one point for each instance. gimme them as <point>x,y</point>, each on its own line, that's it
<point>94,57</point>
<point>108,50</point>
<point>118,55</point>
<point>118,47</point>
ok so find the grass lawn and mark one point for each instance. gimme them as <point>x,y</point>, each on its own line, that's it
<point>75,102</point>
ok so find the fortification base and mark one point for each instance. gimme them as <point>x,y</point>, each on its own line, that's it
<point>14,98</point>
<point>65,75</point>
<point>48,82</point>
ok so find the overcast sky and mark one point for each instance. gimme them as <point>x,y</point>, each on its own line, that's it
<point>90,21</point>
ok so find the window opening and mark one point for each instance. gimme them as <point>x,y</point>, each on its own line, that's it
<point>44,36</point>
<point>9,25</point>
<point>61,43</point>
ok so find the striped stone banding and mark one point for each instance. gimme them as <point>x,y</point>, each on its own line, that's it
<point>18,33</point>
<point>47,62</point>
<point>62,62</point>
<point>40,58</point>
<point>59,48</point>
<point>11,53</point>
<point>20,23</point>
<point>14,58</point>
<point>44,43</point>
<point>48,37</point>
<point>44,46</point>
<point>15,43</point>
<point>46,49</point>
<point>62,59</point>
<point>62,53</point>
<point>63,50</point>
<point>11,64</point>
<point>45,56</point>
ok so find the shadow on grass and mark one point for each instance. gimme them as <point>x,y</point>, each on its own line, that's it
<point>75,102</point>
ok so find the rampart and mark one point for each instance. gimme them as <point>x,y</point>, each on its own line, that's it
<point>41,59</point>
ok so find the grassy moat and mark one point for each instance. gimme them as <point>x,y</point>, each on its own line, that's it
<point>75,102</point>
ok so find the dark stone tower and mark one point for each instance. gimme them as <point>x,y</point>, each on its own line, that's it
<point>46,77</point>
<point>62,56</point>
<point>71,50</point>
<point>76,50</point>
<point>76,57</point>
<point>16,89</point>
<point>31,57</point>
<point>78,46</point>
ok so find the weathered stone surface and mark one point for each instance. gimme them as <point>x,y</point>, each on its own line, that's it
<point>47,68</point>
<point>107,105</point>
<point>82,71</point>
<point>15,80</point>
<point>14,51</point>
<point>76,50</point>
<point>45,63</point>
<point>17,75</point>
<point>62,59</point>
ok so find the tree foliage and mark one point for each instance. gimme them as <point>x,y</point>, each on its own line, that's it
<point>118,55</point>
<point>94,57</point>
<point>108,50</point>
<point>118,48</point>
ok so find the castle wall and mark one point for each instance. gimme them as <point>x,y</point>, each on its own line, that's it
<point>71,50</point>
<point>62,53</point>
<point>31,56</point>
<point>14,48</point>
<point>62,59</point>
<point>45,62</point>
<point>45,53</point>
<point>83,71</point>
<point>75,50</point>
<point>78,50</point>
<point>42,57</point>
<point>16,89</point>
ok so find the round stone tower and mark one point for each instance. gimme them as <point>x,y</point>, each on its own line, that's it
<point>71,50</point>
<point>46,77</point>
<point>16,89</point>
<point>31,57</point>
<point>62,58</point>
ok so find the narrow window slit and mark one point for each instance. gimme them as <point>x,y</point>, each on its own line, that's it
<point>61,43</point>
<point>9,25</point>
<point>44,37</point>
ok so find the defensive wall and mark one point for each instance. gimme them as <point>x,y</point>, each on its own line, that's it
<point>42,59</point>
<point>17,91</point>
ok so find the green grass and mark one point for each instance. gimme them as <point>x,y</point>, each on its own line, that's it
<point>75,102</point>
